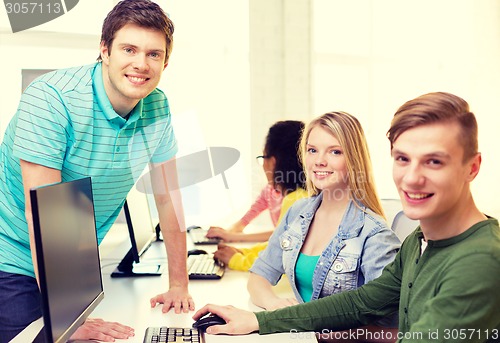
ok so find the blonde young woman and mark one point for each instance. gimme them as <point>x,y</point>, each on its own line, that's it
<point>337,239</point>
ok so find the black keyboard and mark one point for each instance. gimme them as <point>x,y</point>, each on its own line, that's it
<point>204,267</point>
<point>198,236</point>
<point>167,334</point>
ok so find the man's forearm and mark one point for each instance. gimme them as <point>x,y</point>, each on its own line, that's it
<point>175,245</point>
<point>335,312</point>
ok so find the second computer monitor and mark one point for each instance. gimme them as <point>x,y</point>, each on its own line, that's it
<point>141,233</point>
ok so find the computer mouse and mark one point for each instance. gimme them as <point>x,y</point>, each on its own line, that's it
<point>196,252</point>
<point>211,319</point>
<point>193,227</point>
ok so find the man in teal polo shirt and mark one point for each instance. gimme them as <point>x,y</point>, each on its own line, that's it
<point>106,120</point>
<point>444,281</point>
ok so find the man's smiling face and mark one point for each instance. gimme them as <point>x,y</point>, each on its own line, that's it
<point>132,67</point>
<point>430,173</point>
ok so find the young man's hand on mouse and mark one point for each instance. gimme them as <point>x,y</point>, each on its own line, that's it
<point>238,322</point>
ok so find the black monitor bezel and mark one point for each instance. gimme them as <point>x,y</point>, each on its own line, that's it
<point>42,272</point>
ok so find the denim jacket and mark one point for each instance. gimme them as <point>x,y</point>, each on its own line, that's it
<point>359,251</point>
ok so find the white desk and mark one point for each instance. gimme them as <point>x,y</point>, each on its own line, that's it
<point>29,333</point>
<point>126,300</point>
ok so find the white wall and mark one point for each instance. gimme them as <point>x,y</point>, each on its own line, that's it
<point>207,82</point>
<point>369,57</point>
<point>239,65</point>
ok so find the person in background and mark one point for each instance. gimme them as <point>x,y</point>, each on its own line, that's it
<point>106,120</point>
<point>444,280</point>
<point>278,159</point>
<point>284,173</point>
<point>337,239</point>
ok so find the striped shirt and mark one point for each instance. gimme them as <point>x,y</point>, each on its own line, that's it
<point>65,121</point>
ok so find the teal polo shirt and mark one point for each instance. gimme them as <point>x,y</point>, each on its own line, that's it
<point>65,121</point>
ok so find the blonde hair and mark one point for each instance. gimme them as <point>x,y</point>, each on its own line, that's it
<point>348,131</point>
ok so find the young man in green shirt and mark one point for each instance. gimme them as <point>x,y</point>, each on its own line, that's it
<point>444,281</point>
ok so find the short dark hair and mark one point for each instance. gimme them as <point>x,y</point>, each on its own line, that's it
<point>282,142</point>
<point>143,13</point>
<point>437,107</point>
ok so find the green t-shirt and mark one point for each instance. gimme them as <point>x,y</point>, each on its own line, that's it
<point>447,294</point>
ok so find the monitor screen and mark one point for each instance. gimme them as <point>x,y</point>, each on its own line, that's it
<point>141,233</point>
<point>67,255</point>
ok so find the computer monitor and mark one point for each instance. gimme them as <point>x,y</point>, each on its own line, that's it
<point>67,255</point>
<point>142,233</point>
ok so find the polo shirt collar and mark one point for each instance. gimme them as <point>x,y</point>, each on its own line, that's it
<point>105,105</point>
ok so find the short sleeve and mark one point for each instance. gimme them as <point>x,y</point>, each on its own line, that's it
<point>41,135</point>
<point>167,146</point>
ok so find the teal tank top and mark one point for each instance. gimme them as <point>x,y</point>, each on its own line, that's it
<point>304,270</point>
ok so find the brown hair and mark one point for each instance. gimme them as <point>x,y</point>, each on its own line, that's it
<point>433,108</point>
<point>143,13</point>
<point>348,131</point>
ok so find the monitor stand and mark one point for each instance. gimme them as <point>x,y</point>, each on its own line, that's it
<point>159,237</point>
<point>128,268</point>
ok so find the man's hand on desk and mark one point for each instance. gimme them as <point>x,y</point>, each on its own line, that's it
<point>101,330</point>
<point>176,297</point>
<point>239,322</point>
